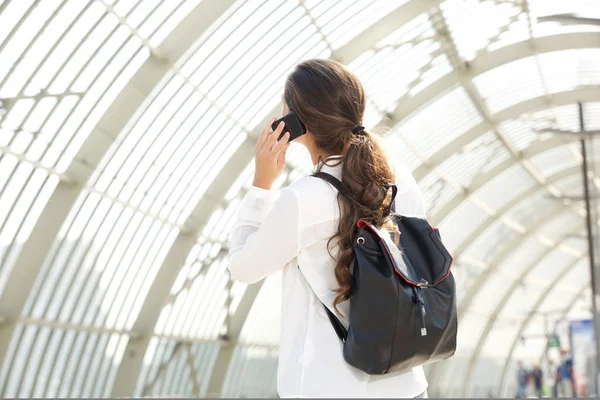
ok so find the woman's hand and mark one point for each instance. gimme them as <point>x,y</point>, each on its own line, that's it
<point>270,155</point>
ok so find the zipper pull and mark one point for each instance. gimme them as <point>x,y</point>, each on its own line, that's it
<point>422,312</point>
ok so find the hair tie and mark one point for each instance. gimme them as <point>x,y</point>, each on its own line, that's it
<point>358,129</point>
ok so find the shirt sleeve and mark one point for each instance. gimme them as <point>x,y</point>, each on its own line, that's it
<point>265,237</point>
<point>411,203</point>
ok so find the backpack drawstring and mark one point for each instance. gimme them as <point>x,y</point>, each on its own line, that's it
<point>421,305</point>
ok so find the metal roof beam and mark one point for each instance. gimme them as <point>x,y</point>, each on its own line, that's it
<point>384,27</point>
<point>221,366</point>
<point>500,213</point>
<point>512,246</point>
<point>102,137</point>
<point>585,94</point>
<point>490,60</point>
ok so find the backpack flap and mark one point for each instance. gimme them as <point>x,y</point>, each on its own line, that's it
<point>423,249</point>
<point>421,259</point>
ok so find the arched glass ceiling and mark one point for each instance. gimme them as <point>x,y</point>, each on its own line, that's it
<point>127,131</point>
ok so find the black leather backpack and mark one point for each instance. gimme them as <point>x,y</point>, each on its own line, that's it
<point>403,303</point>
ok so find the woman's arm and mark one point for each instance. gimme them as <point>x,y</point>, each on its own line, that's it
<point>265,237</point>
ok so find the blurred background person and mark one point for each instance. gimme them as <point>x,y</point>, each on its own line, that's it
<point>522,380</point>
<point>565,376</point>
<point>537,377</point>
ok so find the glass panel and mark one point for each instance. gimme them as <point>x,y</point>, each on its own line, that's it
<point>592,116</point>
<point>491,293</point>
<point>557,300</point>
<point>551,267</point>
<point>252,372</point>
<point>437,192</point>
<point>475,24</point>
<point>506,186</point>
<point>158,352</point>
<point>15,366</point>
<point>554,160</point>
<point>477,157</point>
<point>175,377</point>
<point>457,225</point>
<point>540,8</point>
<point>499,341</point>
<point>522,300</point>
<point>528,210</point>
<point>571,69</point>
<point>174,18</point>
<point>452,377</point>
<point>516,31</point>
<point>469,330</point>
<point>400,153</point>
<point>201,286</point>
<point>521,81</point>
<point>344,21</point>
<point>492,243</point>
<point>568,116</point>
<point>407,57</point>
<point>25,212</point>
<point>582,308</point>
<point>490,364</point>
<point>562,224</point>
<point>429,133</point>
<point>465,275</point>
<point>571,185</point>
<point>520,132</point>
<point>529,350</point>
<point>521,258</point>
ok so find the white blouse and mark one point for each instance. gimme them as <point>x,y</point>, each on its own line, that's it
<point>292,231</point>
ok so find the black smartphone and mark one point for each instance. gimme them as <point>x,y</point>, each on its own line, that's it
<point>293,125</point>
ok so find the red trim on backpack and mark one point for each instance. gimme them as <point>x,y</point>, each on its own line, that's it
<point>451,259</point>
<point>362,224</point>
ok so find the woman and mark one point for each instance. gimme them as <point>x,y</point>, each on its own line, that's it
<point>308,235</point>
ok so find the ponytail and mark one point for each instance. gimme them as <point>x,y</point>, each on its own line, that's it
<point>365,173</point>
<point>331,102</point>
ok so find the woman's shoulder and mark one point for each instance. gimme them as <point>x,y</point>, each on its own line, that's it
<point>309,187</point>
<point>405,181</point>
<point>316,199</point>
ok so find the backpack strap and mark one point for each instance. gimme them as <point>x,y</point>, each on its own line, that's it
<point>339,328</point>
<point>336,183</point>
<point>392,208</point>
<point>332,180</point>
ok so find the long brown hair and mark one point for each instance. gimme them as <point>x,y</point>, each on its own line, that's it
<point>331,101</point>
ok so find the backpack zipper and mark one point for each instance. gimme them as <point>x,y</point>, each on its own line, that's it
<point>423,284</point>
